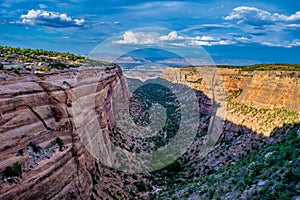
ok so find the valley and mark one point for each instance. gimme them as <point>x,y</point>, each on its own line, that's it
<point>248,127</point>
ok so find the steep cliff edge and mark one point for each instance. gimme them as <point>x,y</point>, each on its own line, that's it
<point>259,100</point>
<point>37,129</point>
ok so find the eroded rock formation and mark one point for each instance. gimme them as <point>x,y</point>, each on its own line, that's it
<point>36,109</point>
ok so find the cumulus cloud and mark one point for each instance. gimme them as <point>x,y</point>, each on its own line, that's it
<point>170,39</point>
<point>265,28</point>
<point>176,40</point>
<point>253,15</point>
<point>211,40</point>
<point>195,41</point>
<point>130,37</point>
<point>171,36</point>
<point>52,19</point>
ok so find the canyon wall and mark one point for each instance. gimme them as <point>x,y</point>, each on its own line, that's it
<point>259,100</point>
<point>38,129</point>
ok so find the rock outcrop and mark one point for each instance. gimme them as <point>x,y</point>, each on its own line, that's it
<point>38,129</point>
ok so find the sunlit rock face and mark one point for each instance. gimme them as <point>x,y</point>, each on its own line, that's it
<point>259,100</point>
<point>36,109</point>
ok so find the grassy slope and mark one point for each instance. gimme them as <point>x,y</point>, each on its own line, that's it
<point>268,172</point>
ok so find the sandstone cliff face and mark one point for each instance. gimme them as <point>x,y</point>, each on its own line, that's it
<point>259,100</point>
<point>36,109</point>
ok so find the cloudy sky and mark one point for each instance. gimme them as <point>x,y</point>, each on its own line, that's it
<point>231,31</point>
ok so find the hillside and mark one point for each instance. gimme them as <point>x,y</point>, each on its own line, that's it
<point>270,171</point>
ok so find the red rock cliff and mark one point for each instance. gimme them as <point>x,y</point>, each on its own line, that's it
<point>36,109</point>
<point>259,100</point>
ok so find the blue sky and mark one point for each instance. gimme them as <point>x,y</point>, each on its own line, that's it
<point>231,31</point>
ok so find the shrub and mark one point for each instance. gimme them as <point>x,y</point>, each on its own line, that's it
<point>174,167</point>
<point>15,170</point>
<point>17,68</point>
<point>21,152</point>
<point>59,66</point>
<point>1,66</point>
<point>60,143</point>
<point>141,186</point>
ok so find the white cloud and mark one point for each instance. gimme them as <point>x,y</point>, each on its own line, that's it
<point>174,39</point>
<point>171,36</point>
<point>248,14</point>
<point>79,22</point>
<point>46,18</point>
<point>265,28</point>
<point>65,17</point>
<point>130,37</point>
<point>293,25</point>
<point>196,42</point>
<point>271,42</point>
<point>211,41</point>
<point>171,39</point>
<point>295,43</point>
<point>204,38</point>
<point>242,39</point>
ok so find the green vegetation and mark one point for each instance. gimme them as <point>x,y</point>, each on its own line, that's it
<point>265,119</point>
<point>15,170</point>
<point>141,186</point>
<point>199,80</point>
<point>44,60</point>
<point>9,69</point>
<point>30,55</point>
<point>268,172</point>
<point>59,66</point>
<point>21,152</point>
<point>265,67</point>
<point>234,94</point>
<point>60,143</point>
<point>17,69</point>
